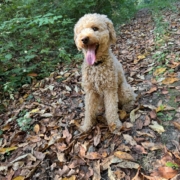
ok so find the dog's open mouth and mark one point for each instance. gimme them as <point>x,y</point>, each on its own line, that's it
<point>91,53</point>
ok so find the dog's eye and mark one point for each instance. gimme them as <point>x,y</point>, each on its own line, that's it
<point>95,28</point>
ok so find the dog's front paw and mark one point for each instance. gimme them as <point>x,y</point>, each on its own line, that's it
<point>84,128</point>
<point>115,127</point>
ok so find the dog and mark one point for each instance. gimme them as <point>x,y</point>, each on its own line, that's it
<point>103,78</point>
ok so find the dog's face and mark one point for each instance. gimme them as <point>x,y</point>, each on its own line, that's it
<point>93,34</point>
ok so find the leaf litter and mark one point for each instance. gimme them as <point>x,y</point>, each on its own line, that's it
<point>53,148</point>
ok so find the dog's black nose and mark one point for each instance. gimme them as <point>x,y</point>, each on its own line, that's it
<point>85,40</point>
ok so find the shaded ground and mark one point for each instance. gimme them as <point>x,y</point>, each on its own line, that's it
<point>39,131</point>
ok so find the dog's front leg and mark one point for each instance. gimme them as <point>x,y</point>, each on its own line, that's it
<point>91,109</point>
<point>111,110</point>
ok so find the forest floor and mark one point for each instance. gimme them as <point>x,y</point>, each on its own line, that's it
<point>39,137</point>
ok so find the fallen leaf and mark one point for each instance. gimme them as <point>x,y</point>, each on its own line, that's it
<point>139,149</point>
<point>61,157</point>
<point>160,108</point>
<point>111,174</point>
<point>147,121</point>
<point>133,115</point>
<point>119,174</point>
<point>128,164</point>
<point>129,139</point>
<point>152,146</point>
<point>136,177</point>
<point>177,125</point>
<point>153,114</point>
<point>166,172</point>
<point>156,127</point>
<point>96,170</point>
<point>34,111</point>
<point>159,71</point>
<point>3,168</point>
<point>123,155</point>
<point>122,114</point>
<point>140,57</point>
<point>19,178</point>
<point>70,178</point>
<point>8,149</point>
<point>97,138</point>
<point>36,128</point>
<point>34,138</point>
<point>93,155</point>
<point>153,89</point>
<point>169,80</point>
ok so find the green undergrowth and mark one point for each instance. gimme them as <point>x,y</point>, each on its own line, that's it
<point>161,31</point>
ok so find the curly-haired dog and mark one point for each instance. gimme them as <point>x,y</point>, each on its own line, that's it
<point>103,77</point>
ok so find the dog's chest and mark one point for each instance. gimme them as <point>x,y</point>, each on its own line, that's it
<point>99,77</point>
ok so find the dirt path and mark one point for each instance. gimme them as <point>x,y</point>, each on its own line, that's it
<point>39,135</point>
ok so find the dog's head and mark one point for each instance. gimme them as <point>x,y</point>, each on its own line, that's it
<point>93,34</point>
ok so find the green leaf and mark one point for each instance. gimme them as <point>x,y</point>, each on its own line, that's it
<point>8,56</point>
<point>172,165</point>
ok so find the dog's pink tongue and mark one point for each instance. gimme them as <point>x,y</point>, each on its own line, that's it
<point>91,55</point>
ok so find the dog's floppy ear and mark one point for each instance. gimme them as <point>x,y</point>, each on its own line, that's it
<point>75,36</point>
<point>112,32</point>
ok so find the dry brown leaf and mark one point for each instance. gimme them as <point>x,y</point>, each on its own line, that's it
<point>97,138</point>
<point>139,149</point>
<point>128,164</point>
<point>6,127</point>
<point>70,178</point>
<point>36,128</point>
<point>134,115</point>
<point>122,114</point>
<point>67,135</point>
<point>119,174</point>
<point>19,178</point>
<point>156,127</point>
<point>93,155</point>
<point>153,89</point>
<point>152,146</point>
<point>96,170</point>
<point>159,71</point>
<point>153,114</point>
<point>111,174</point>
<point>177,125</point>
<point>166,172</point>
<point>61,157</point>
<point>82,150</point>
<point>137,176</point>
<point>8,149</point>
<point>34,138</point>
<point>147,120</point>
<point>129,139</point>
<point>123,155</point>
<point>140,57</point>
<point>170,80</point>
<point>39,155</point>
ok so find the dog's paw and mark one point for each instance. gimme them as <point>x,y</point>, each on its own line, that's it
<point>84,128</point>
<point>116,127</point>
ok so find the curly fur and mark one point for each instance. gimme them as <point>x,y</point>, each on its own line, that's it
<point>105,84</point>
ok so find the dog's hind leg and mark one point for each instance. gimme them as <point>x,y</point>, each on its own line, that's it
<point>127,97</point>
